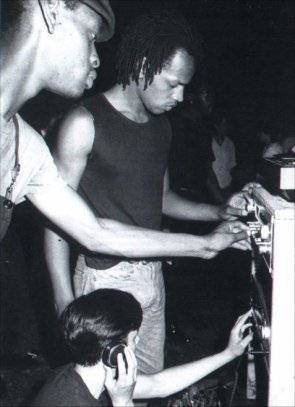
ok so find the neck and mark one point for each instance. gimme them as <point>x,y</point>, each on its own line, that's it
<point>19,81</point>
<point>93,377</point>
<point>128,102</point>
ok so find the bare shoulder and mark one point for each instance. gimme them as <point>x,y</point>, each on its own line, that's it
<point>76,132</point>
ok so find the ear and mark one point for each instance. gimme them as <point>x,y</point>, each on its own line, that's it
<point>51,11</point>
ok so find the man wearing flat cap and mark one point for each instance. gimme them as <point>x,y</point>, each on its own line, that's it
<point>46,44</point>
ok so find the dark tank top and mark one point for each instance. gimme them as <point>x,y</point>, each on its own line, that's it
<point>124,176</point>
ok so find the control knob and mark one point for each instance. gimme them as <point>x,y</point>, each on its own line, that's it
<point>265,332</point>
<point>264,232</point>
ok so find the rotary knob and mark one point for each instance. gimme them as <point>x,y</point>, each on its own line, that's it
<point>264,232</point>
<point>250,207</point>
<point>265,332</point>
<point>263,247</point>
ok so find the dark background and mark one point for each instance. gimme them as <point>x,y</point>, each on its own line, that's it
<point>249,58</point>
<point>249,63</point>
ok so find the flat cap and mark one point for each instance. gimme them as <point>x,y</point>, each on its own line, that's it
<point>104,9</point>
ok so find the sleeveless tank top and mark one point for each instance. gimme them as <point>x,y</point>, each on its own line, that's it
<point>124,175</point>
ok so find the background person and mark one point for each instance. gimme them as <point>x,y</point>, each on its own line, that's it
<point>224,152</point>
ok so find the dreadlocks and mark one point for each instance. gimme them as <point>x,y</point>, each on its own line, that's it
<point>151,42</point>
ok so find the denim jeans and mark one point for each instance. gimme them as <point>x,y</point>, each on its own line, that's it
<point>144,280</point>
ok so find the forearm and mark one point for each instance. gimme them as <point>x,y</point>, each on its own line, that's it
<point>177,378</point>
<point>138,242</point>
<point>72,215</point>
<point>57,255</point>
<point>180,208</point>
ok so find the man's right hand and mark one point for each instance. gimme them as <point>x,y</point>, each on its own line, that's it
<point>228,234</point>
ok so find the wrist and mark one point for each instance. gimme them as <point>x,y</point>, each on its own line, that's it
<point>204,247</point>
<point>122,402</point>
<point>229,355</point>
<point>220,212</point>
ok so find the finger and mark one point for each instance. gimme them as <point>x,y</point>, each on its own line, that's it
<point>243,318</point>
<point>239,236</point>
<point>121,366</point>
<point>238,225</point>
<point>132,355</point>
<point>131,362</point>
<point>250,186</point>
<point>239,246</point>
<point>242,245</point>
<point>245,342</point>
<point>244,327</point>
<point>247,196</point>
<point>232,211</point>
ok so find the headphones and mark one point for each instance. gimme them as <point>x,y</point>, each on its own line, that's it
<point>110,353</point>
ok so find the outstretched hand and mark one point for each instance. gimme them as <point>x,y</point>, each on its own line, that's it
<point>228,234</point>
<point>238,342</point>
<point>121,386</point>
<point>237,204</point>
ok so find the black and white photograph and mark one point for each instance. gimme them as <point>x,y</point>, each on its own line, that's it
<point>147,203</point>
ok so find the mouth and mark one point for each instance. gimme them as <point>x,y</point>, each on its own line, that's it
<point>90,79</point>
<point>170,107</point>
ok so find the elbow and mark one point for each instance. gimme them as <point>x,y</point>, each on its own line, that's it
<point>102,239</point>
<point>90,239</point>
<point>90,245</point>
<point>93,243</point>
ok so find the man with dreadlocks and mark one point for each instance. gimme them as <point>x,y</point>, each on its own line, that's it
<point>115,148</point>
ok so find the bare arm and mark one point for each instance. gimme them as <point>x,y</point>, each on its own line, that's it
<point>180,208</point>
<point>74,143</point>
<point>177,378</point>
<point>70,213</point>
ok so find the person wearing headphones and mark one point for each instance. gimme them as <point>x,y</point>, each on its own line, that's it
<point>101,334</point>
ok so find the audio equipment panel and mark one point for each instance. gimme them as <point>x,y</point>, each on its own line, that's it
<point>273,242</point>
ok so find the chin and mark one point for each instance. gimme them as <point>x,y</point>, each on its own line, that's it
<point>74,93</point>
<point>67,93</point>
<point>157,110</point>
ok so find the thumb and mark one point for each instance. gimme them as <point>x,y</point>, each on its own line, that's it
<point>239,236</point>
<point>245,342</point>
<point>233,211</point>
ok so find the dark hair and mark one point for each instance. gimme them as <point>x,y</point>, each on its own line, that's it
<point>96,320</point>
<point>150,43</point>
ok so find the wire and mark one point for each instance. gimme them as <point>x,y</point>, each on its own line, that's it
<point>235,385</point>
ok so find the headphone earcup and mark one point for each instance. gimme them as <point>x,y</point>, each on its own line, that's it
<point>110,353</point>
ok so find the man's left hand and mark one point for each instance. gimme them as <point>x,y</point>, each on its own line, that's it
<point>237,204</point>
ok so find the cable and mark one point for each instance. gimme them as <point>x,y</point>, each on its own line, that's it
<point>235,385</point>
